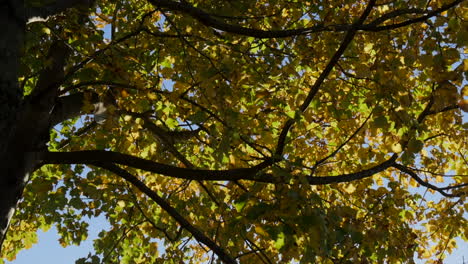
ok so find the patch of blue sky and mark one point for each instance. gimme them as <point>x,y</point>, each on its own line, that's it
<point>48,250</point>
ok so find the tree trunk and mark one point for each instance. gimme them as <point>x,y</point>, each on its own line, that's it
<point>25,121</point>
<point>13,161</point>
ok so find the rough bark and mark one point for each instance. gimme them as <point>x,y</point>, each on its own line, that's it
<point>12,161</point>
<point>24,122</point>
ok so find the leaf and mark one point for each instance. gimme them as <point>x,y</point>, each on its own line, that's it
<point>350,188</point>
<point>198,117</point>
<point>290,114</point>
<point>172,123</point>
<point>380,122</point>
<point>241,202</point>
<point>415,145</point>
<point>463,105</point>
<point>396,147</point>
<point>279,242</point>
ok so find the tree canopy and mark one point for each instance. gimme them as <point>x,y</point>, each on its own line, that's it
<point>242,131</point>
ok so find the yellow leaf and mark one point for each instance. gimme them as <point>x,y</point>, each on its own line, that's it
<point>396,148</point>
<point>426,254</point>
<point>413,183</point>
<point>124,93</point>
<point>152,96</point>
<point>463,104</point>
<point>379,181</point>
<point>260,231</point>
<point>368,47</point>
<point>232,159</point>
<point>464,91</point>
<point>46,30</point>
<point>350,188</point>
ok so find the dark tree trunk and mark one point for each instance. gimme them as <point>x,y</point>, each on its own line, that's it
<point>25,121</point>
<point>13,161</point>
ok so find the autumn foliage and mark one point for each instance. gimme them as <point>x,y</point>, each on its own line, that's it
<point>255,131</point>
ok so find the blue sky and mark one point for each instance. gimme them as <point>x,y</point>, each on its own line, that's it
<point>48,250</point>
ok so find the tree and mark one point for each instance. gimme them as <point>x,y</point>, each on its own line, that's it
<point>241,131</point>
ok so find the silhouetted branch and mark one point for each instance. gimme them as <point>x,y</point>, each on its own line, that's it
<point>212,21</point>
<point>316,86</point>
<point>81,131</point>
<point>184,223</point>
<point>93,156</point>
<point>41,13</point>
<point>413,175</point>
<point>342,144</point>
<point>252,174</point>
<point>408,22</point>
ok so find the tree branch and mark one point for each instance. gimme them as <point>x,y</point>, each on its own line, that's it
<point>222,254</point>
<point>94,157</point>
<point>212,21</point>
<point>41,13</point>
<point>70,106</point>
<point>342,144</point>
<point>316,86</point>
<point>413,175</point>
<point>81,131</point>
<point>100,156</point>
<point>147,218</point>
<point>33,123</point>
<point>52,75</point>
<point>371,27</point>
<point>394,14</point>
<point>322,180</point>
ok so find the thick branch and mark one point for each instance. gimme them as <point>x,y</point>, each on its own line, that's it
<point>100,156</point>
<point>371,27</point>
<point>70,106</point>
<point>168,139</point>
<point>394,14</point>
<point>52,75</point>
<point>222,254</point>
<point>322,180</point>
<point>208,20</point>
<point>41,13</point>
<point>211,21</point>
<point>94,157</point>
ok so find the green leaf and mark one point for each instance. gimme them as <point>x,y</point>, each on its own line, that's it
<point>172,123</point>
<point>279,242</point>
<point>415,145</point>
<point>198,117</point>
<point>380,122</point>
